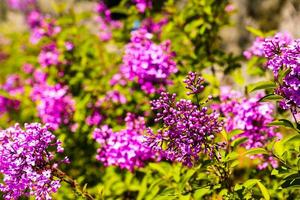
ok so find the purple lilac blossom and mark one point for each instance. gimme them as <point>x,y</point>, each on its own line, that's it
<point>142,5</point>
<point>151,64</point>
<point>153,27</point>
<point>107,24</point>
<point>13,86</point>
<point>49,55</point>
<point>124,148</point>
<point>188,130</point>
<point>194,83</point>
<point>41,26</point>
<point>257,48</point>
<point>26,163</point>
<point>283,54</point>
<point>94,119</point>
<point>55,106</point>
<point>22,5</point>
<point>252,117</point>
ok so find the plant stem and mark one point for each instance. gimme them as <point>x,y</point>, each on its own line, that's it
<point>75,186</point>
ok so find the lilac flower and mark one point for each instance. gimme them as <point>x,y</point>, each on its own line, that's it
<point>275,50</point>
<point>13,86</point>
<point>250,116</point>
<point>151,64</point>
<point>194,82</point>
<point>49,55</point>
<point>94,119</point>
<point>69,46</point>
<point>35,19</point>
<point>107,24</point>
<point>188,130</point>
<point>124,148</point>
<point>55,106</point>
<point>142,5</point>
<point>22,5</point>
<point>283,55</point>
<point>26,162</point>
<point>257,48</point>
<point>41,26</point>
<point>153,27</point>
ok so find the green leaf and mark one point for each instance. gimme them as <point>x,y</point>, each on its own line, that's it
<point>282,122</point>
<point>263,190</point>
<point>250,183</point>
<point>231,156</point>
<point>255,31</point>
<point>234,133</point>
<point>256,151</point>
<point>279,148</point>
<point>271,97</point>
<point>202,192</point>
<point>261,85</point>
<point>238,141</point>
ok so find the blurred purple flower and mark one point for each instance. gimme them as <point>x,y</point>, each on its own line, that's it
<point>151,64</point>
<point>55,106</point>
<point>124,148</point>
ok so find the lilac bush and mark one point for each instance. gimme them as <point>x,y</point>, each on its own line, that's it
<point>142,5</point>
<point>252,117</point>
<point>13,86</point>
<point>27,163</point>
<point>188,129</point>
<point>126,147</point>
<point>148,63</point>
<point>282,53</point>
<point>55,106</point>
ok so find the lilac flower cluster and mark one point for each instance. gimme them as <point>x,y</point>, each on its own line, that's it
<point>13,86</point>
<point>250,116</point>
<point>49,55</point>
<point>112,96</point>
<point>22,5</point>
<point>124,148</point>
<point>26,162</point>
<point>55,106</point>
<point>153,27</point>
<point>107,24</point>
<point>41,26</point>
<point>257,48</point>
<point>194,83</point>
<point>142,5</point>
<point>283,54</point>
<point>188,130</point>
<point>151,64</point>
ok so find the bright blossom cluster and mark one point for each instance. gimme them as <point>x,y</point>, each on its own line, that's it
<point>124,148</point>
<point>112,96</point>
<point>55,106</point>
<point>250,116</point>
<point>188,130</point>
<point>142,5</point>
<point>283,55</point>
<point>22,5</point>
<point>26,162</point>
<point>41,26</point>
<point>151,64</point>
<point>13,86</point>
<point>152,26</point>
<point>49,55</point>
<point>107,24</point>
